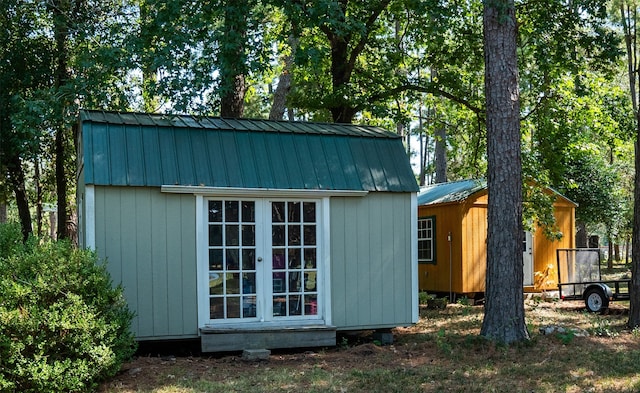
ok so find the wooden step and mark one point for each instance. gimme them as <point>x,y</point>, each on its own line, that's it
<point>216,339</point>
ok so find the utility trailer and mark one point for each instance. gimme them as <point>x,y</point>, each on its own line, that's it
<point>579,278</point>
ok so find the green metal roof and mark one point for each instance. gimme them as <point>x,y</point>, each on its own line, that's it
<point>135,149</point>
<point>450,192</point>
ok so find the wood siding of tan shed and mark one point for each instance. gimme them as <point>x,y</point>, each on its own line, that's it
<point>474,245</point>
<point>544,249</point>
<point>435,277</point>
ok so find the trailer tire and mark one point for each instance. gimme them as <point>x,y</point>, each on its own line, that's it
<point>595,300</point>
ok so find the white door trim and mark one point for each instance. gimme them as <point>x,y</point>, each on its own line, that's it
<point>264,316</point>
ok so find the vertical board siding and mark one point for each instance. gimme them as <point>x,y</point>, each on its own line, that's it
<point>367,250</point>
<point>340,272</point>
<point>140,230</point>
<point>371,261</point>
<point>544,249</point>
<point>436,277</point>
<point>159,276</point>
<point>474,251</point>
<point>402,275</point>
<point>188,264</point>
<point>148,239</point>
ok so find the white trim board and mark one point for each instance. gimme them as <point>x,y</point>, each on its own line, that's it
<point>261,192</point>
<point>90,217</point>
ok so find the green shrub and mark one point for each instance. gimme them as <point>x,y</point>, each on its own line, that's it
<point>424,297</point>
<point>63,327</point>
<point>10,239</point>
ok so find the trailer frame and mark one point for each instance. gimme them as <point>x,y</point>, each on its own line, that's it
<point>590,287</point>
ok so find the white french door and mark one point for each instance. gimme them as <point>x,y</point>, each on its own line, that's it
<point>263,260</point>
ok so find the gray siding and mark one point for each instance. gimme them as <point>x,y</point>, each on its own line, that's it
<point>149,240</point>
<point>371,262</point>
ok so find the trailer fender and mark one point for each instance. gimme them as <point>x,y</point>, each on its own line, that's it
<point>596,297</point>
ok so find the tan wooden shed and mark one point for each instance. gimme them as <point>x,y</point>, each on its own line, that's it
<point>452,247</point>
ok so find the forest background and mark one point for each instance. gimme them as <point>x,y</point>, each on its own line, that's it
<point>415,67</point>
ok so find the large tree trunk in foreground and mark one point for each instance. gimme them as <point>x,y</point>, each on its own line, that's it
<point>634,286</point>
<point>504,308</point>
<point>628,17</point>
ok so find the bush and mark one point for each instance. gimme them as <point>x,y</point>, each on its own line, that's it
<point>63,327</point>
<point>10,239</point>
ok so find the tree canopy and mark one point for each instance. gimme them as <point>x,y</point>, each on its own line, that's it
<point>416,67</point>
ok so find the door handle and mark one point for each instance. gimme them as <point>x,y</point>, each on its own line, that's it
<point>259,259</point>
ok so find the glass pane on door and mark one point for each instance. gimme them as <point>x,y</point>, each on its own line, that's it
<point>232,259</point>
<point>294,258</point>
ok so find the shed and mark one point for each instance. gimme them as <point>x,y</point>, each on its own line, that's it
<point>452,240</point>
<point>250,233</point>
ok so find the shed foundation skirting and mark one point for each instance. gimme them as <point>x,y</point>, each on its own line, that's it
<point>221,340</point>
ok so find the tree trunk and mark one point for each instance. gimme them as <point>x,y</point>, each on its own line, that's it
<point>284,84</point>
<point>441,155</point>
<point>279,105</point>
<point>232,102</point>
<point>61,183</point>
<point>610,256</point>
<point>341,112</point>
<point>424,148</point>
<point>504,308</point>
<point>3,212</point>
<point>634,286</point>
<point>627,244</point>
<point>17,180</point>
<point>61,33</point>
<point>232,60</point>
<point>629,25</point>
<point>582,238</point>
<point>38,185</point>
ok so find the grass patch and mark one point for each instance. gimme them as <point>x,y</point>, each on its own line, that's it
<point>443,352</point>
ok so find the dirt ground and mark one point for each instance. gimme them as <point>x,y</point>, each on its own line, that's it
<point>434,340</point>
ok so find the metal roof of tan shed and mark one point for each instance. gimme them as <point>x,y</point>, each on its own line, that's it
<point>455,191</point>
<point>139,149</point>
